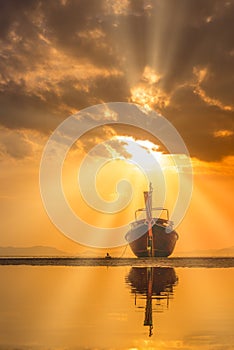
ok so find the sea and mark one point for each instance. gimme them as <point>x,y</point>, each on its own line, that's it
<point>81,304</point>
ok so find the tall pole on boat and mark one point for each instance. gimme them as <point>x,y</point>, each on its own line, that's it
<point>148,309</point>
<point>148,207</point>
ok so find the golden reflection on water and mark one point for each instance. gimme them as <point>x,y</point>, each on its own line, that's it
<point>156,285</point>
<point>70,308</point>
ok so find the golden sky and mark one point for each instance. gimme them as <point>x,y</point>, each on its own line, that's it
<point>175,57</point>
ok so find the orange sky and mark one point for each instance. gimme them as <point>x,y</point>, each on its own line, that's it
<point>173,57</point>
<point>207,224</point>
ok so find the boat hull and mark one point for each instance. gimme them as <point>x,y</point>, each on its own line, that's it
<point>163,242</point>
<point>163,279</point>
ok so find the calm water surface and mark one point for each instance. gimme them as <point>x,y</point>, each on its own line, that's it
<point>58,308</point>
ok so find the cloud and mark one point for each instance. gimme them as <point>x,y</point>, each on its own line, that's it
<point>176,56</point>
<point>197,122</point>
<point>18,144</point>
<point>224,167</point>
<point>110,148</point>
<point>223,133</point>
<point>20,110</point>
<point>147,92</point>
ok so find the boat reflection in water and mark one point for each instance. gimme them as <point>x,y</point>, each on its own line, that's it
<point>155,284</point>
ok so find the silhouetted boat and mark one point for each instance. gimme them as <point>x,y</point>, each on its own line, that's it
<point>163,278</point>
<point>153,236</point>
<point>155,283</point>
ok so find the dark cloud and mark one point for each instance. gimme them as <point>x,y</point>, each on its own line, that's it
<point>108,133</point>
<point>58,57</point>
<point>196,33</point>
<point>20,110</point>
<point>110,89</point>
<point>77,28</point>
<point>197,124</point>
<point>14,144</point>
<point>15,13</point>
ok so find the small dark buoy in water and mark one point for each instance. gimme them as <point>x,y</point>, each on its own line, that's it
<point>107,256</point>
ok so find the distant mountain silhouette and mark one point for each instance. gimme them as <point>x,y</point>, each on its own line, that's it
<point>226,251</point>
<point>31,251</point>
<point>229,252</point>
<point>51,251</point>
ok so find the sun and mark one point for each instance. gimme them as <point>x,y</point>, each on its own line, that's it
<point>143,152</point>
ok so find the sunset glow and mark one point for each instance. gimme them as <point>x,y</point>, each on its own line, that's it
<point>117,174</point>
<point>149,53</point>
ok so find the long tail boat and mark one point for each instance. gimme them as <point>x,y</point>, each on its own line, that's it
<point>152,236</point>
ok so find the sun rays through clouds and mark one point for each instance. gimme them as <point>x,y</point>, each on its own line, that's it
<point>174,57</point>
